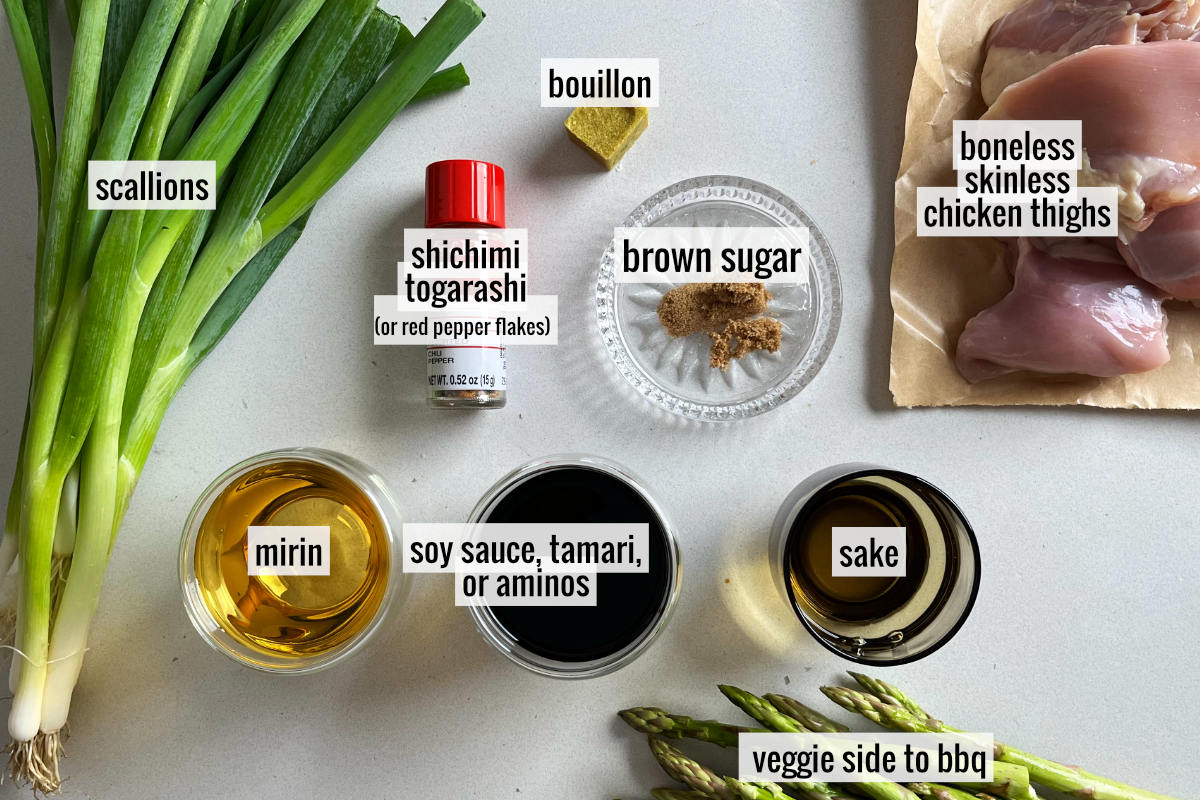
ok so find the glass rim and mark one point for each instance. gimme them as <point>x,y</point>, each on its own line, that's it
<point>210,629</point>
<point>494,633</point>
<point>820,634</point>
<point>828,291</point>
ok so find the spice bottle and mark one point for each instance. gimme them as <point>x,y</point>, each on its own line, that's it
<point>461,193</point>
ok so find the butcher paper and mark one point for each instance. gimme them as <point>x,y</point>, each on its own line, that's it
<point>940,283</point>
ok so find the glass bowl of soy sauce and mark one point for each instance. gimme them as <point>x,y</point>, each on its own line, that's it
<point>631,609</point>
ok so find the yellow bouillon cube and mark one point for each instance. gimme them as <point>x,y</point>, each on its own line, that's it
<point>607,133</point>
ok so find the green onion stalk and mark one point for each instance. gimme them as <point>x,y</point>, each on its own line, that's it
<point>284,97</point>
<point>43,480</point>
<point>29,24</point>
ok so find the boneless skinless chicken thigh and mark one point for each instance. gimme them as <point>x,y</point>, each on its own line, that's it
<point>1038,33</point>
<point>1067,314</point>
<point>1167,253</point>
<point>1075,308</point>
<point>1140,108</point>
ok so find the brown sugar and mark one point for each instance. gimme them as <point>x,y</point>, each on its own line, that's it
<point>763,333</point>
<point>724,312</point>
<point>706,307</point>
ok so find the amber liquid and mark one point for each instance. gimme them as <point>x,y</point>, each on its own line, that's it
<point>293,615</point>
<point>809,553</point>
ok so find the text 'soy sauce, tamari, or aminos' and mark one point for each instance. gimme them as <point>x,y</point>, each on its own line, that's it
<point>579,641</point>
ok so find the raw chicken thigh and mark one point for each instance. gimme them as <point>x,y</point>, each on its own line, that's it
<point>1140,107</point>
<point>1130,71</point>
<point>1167,253</point>
<point>1041,32</point>
<point>1067,314</point>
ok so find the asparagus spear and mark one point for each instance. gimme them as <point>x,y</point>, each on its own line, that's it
<point>1072,780</point>
<point>1060,777</point>
<point>810,718</point>
<point>762,711</point>
<point>936,791</point>
<point>889,693</point>
<point>689,772</point>
<point>677,794</point>
<point>676,726</point>
<point>655,721</point>
<point>815,790</point>
<point>1008,780</point>
<point>761,790</point>
<point>756,791</point>
<point>883,713</point>
<point>773,718</point>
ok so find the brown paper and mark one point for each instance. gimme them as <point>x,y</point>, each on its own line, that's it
<point>940,283</point>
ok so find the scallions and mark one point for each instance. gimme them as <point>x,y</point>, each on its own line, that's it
<point>285,96</point>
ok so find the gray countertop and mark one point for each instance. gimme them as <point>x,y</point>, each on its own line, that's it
<point>1088,610</point>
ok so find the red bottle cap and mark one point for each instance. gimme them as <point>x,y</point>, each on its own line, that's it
<point>462,193</point>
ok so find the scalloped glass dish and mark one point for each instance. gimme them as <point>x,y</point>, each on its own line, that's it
<point>674,373</point>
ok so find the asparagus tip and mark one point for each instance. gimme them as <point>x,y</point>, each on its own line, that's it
<point>838,695</point>
<point>636,718</point>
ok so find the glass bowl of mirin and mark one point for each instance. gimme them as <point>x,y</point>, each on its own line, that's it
<point>674,373</point>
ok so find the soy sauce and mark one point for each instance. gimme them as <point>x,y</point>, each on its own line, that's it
<point>627,604</point>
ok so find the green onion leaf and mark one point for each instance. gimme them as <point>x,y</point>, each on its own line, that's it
<point>124,20</point>
<point>452,23</point>
<point>68,172</point>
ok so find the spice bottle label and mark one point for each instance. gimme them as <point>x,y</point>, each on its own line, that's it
<point>468,368</point>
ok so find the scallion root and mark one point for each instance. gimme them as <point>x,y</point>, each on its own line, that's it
<point>35,762</point>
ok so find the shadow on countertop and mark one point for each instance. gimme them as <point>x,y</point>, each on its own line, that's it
<point>891,57</point>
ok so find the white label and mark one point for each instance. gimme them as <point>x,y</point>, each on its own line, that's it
<point>466,249</point>
<point>469,293</point>
<point>526,564</point>
<point>525,589</point>
<point>942,212</point>
<point>866,757</point>
<point>604,82</point>
<point>874,552</point>
<point>537,324</point>
<point>1017,178</point>
<point>1008,143</point>
<point>468,270</point>
<point>517,547</point>
<point>287,550</point>
<point>1010,161</point>
<point>465,287</point>
<point>131,185</point>
<point>707,255</point>
<point>468,368</point>
<point>1022,184</point>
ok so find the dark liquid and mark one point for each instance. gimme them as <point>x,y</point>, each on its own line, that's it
<point>627,604</point>
<point>809,553</point>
